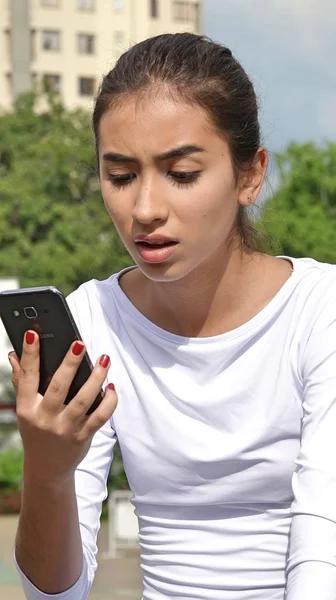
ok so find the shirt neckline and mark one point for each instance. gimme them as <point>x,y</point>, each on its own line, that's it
<point>253,323</point>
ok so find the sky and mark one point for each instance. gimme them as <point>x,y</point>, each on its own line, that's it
<point>288,48</point>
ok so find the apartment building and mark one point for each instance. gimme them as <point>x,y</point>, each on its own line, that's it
<point>70,44</point>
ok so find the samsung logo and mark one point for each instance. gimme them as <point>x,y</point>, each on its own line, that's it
<point>46,335</point>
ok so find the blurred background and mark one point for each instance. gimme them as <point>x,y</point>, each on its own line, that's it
<point>53,228</point>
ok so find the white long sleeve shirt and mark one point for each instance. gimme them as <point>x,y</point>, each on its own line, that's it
<point>229,445</point>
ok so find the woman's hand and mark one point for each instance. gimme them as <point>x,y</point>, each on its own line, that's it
<point>55,436</point>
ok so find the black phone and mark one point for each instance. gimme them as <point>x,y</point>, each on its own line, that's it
<point>45,310</point>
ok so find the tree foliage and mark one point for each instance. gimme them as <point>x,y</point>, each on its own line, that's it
<point>53,225</point>
<point>11,469</point>
<point>301,215</point>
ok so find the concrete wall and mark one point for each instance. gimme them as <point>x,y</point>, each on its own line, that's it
<point>6,416</point>
<point>5,55</point>
<point>5,345</point>
<point>20,47</point>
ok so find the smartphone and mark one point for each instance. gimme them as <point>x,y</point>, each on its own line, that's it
<point>45,310</point>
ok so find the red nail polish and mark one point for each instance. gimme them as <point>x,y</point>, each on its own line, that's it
<point>111,387</point>
<point>104,361</point>
<point>77,348</point>
<point>30,337</point>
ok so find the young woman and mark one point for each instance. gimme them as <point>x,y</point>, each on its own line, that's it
<point>223,360</point>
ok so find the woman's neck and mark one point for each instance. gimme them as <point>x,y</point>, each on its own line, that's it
<point>209,301</point>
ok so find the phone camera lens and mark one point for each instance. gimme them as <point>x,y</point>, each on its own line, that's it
<point>30,312</point>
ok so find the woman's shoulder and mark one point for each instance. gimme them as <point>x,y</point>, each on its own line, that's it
<point>316,291</point>
<point>307,263</point>
<point>93,298</point>
<point>92,291</point>
<point>316,275</point>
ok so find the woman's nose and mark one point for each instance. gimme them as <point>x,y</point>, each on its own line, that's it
<point>150,205</point>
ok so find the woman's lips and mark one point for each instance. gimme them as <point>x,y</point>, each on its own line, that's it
<point>156,252</point>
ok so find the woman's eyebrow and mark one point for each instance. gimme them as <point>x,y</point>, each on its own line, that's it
<point>115,157</point>
<point>174,153</point>
<point>181,151</point>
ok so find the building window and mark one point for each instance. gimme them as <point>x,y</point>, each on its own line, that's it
<point>51,82</point>
<point>86,86</point>
<point>85,4</point>
<point>85,43</point>
<point>154,9</point>
<point>184,11</point>
<point>51,40</point>
<point>50,3</point>
<point>118,4</point>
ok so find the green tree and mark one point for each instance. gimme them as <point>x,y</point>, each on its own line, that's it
<point>11,469</point>
<point>53,225</point>
<point>301,215</point>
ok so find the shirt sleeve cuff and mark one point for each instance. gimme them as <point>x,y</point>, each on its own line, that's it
<point>79,591</point>
<point>311,580</point>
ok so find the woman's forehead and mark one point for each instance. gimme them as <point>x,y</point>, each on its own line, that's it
<point>160,122</point>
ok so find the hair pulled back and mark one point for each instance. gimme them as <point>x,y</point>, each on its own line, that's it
<point>202,73</point>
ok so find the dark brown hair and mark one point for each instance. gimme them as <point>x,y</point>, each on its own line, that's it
<point>204,73</point>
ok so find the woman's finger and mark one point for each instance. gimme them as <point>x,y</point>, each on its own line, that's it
<point>76,409</point>
<point>12,356</point>
<point>58,388</point>
<point>29,376</point>
<point>15,364</point>
<point>101,415</point>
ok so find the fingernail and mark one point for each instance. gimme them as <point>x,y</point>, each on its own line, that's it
<point>111,387</point>
<point>30,337</point>
<point>77,348</point>
<point>104,361</point>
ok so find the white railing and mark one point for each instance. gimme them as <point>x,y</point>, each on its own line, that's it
<point>123,526</point>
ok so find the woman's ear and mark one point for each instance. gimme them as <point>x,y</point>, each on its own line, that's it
<point>252,179</point>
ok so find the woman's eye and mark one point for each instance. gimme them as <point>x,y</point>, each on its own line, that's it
<point>184,177</point>
<point>122,180</point>
<point>180,178</point>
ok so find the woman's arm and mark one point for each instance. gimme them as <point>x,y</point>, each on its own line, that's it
<point>56,541</point>
<point>311,569</point>
<point>48,541</point>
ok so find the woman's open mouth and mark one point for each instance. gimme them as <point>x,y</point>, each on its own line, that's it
<point>155,250</point>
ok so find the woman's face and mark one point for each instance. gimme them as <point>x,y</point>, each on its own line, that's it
<point>169,186</point>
